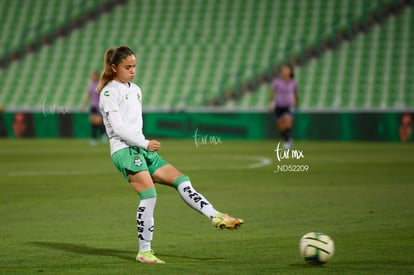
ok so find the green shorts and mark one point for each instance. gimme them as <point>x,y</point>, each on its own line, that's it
<point>136,159</point>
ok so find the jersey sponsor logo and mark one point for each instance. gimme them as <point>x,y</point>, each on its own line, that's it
<point>106,93</point>
<point>140,222</point>
<point>126,97</point>
<point>137,161</point>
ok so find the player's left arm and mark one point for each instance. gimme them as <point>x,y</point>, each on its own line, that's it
<point>85,101</point>
<point>272,94</point>
<point>296,99</point>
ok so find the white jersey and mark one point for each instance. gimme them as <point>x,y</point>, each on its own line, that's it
<point>123,101</point>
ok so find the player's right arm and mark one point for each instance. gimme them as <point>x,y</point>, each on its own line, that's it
<point>109,105</point>
<point>272,98</point>
<point>85,101</point>
<point>133,138</point>
<point>153,145</point>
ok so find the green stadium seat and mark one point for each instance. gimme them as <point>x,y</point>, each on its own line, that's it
<point>185,50</point>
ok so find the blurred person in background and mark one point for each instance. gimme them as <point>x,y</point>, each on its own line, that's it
<point>19,125</point>
<point>284,99</point>
<point>95,118</point>
<point>406,127</point>
<point>23,125</point>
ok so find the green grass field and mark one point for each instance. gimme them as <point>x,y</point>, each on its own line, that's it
<point>65,209</point>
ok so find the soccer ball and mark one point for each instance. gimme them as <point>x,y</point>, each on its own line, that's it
<point>316,248</point>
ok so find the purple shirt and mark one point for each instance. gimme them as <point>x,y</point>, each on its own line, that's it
<point>285,92</point>
<point>94,96</point>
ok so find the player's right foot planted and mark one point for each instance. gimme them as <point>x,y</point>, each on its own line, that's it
<point>148,257</point>
<point>221,221</point>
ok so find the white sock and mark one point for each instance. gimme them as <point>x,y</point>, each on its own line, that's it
<point>145,223</point>
<point>195,200</point>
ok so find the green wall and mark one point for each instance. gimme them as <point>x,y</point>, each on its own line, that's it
<point>308,126</point>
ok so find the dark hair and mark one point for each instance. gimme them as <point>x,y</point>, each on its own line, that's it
<point>113,56</point>
<point>292,73</point>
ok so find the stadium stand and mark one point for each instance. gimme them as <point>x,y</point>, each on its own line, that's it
<point>190,52</point>
<point>370,72</point>
<point>25,23</point>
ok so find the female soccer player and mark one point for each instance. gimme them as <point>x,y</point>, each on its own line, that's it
<point>136,157</point>
<point>283,98</point>
<point>95,118</point>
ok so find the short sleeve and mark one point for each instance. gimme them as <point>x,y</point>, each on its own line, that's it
<point>295,86</point>
<point>108,101</point>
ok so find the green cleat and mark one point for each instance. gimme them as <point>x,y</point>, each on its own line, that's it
<point>221,221</point>
<point>148,257</point>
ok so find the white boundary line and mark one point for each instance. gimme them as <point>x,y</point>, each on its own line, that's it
<point>256,162</point>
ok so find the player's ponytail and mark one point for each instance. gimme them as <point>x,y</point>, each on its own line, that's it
<point>113,56</point>
<point>107,74</point>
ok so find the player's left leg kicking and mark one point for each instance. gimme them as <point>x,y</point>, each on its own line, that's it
<point>169,175</point>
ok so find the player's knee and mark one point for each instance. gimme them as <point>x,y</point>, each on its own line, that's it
<point>148,193</point>
<point>180,179</point>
